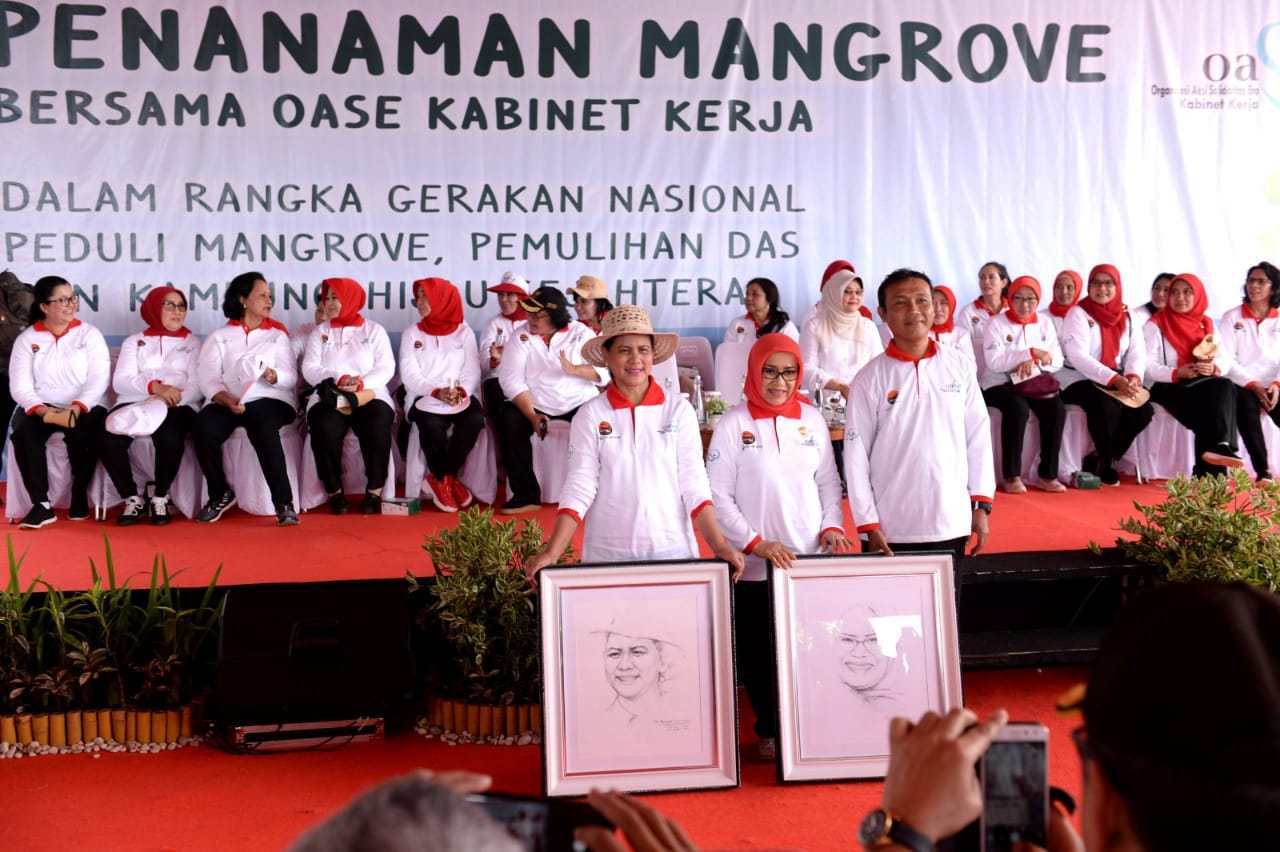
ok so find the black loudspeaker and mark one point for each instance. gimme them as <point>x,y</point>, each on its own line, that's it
<point>301,652</point>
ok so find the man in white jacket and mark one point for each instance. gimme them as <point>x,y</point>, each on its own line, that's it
<point>917,449</point>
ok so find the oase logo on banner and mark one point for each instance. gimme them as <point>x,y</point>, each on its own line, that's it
<point>1269,56</point>
<point>1233,81</point>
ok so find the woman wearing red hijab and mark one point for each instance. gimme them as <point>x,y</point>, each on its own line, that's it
<point>1192,386</point>
<point>1022,354</point>
<point>350,354</point>
<point>776,493</point>
<point>1104,349</point>
<point>158,366</point>
<point>1067,290</point>
<point>944,328</point>
<point>440,368</point>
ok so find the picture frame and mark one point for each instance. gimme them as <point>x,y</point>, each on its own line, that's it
<point>639,690</point>
<point>859,640</point>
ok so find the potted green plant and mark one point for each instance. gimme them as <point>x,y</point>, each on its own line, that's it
<point>490,683</point>
<point>1213,528</point>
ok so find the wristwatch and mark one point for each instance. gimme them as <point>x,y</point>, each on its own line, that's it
<point>984,505</point>
<point>881,828</point>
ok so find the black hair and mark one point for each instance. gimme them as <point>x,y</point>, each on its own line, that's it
<point>1002,272</point>
<point>897,276</point>
<point>778,318</point>
<point>239,288</point>
<point>1273,275</point>
<point>1150,305</point>
<point>42,292</point>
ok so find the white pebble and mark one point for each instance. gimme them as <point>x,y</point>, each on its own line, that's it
<point>524,739</point>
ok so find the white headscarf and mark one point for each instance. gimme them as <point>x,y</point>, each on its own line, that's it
<point>833,320</point>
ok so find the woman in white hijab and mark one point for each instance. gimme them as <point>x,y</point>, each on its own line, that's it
<point>837,340</point>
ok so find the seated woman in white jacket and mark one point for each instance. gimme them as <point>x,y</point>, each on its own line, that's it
<point>348,363</point>
<point>1021,355</point>
<point>764,315</point>
<point>157,367</point>
<point>1104,348</point>
<point>248,377</point>
<point>775,496</point>
<point>636,476</point>
<point>1067,290</point>
<point>837,340</point>
<point>440,368</point>
<point>1193,385</point>
<point>57,376</point>
<point>975,316</point>
<point>1250,334</point>
<point>944,329</point>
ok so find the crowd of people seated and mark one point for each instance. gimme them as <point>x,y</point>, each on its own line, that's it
<point>529,369</point>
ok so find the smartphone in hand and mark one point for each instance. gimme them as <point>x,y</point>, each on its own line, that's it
<point>1015,787</point>
<point>540,825</point>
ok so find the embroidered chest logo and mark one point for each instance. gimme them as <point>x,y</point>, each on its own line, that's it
<point>1239,327</point>
<point>524,338</point>
<point>748,439</point>
<point>1092,323</point>
<point>324,338</point>
<point>141,343</point>
<point>605,428</point>
<point>35,347</point>
<point>670,428</point>
<point>950,387</point>
<point>741,329</point>
<point>1008,338</point>
<point>892,396</point>
<point>975,320</point>
<point>417,344</point>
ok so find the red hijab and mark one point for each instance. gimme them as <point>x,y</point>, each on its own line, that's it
<point>950,324</point>
<point>152,310</point>
<point>446,305</point>
<point>1018,283</point>
<point>350,295</point>
<point>759,407</point>
<point>1111,317</point>
<point>1060,311</point>
<point>1185,331</point>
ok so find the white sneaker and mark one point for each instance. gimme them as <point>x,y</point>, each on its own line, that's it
<point>133,511</point>
<point>160,510</point>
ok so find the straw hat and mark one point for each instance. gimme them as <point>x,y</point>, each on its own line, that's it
<point>629,319</point>
<point>590,287</point>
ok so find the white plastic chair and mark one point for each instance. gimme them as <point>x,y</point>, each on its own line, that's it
<point>731,369</point>
<point>1165,448</point>
<point>696,352</point>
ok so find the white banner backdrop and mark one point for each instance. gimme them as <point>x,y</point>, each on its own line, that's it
<point>675,149</point>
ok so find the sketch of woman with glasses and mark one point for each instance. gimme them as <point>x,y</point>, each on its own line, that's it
<point>879,678</point>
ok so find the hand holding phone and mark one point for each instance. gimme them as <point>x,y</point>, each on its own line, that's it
<point>540,825</point>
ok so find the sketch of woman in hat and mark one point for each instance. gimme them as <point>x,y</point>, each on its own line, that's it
<point>640,670</point>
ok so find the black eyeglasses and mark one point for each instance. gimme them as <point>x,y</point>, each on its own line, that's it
<point>63,302</point>
<point>788,375</point>
<point>174,306</point>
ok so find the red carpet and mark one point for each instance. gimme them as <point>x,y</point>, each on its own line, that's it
<point>324,547</point>
<point>204,799</point>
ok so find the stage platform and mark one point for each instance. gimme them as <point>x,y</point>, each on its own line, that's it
<point>324,547</point>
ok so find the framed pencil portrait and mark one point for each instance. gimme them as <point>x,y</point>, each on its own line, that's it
<point>859,640</point>
<point>638,677</point>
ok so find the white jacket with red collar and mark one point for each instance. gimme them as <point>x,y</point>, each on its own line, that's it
<point>1009,344</point>
<point>353,350</point>
<point>147,359</point>
<point>774,479</point>
<point>744,329</point>
<point>431,361</point>
<point>974,318</point>
<point>636,477</point>
<point>235,358</point>
<point>1162,358</point>
<point>529,364</point>
<point>72,368</point>
<point>917,446</point>
<point>497,332</point>
<point>1253,345</point>
<point>1081,341</point>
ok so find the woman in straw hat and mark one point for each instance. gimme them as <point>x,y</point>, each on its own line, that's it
<point>773,478</point>
<point>634,440</point>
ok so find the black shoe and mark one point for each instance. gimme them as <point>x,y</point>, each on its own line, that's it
<point>286,516</point>
<point>39,516</point>
<point>79,510</point>
<point>1089,464</point>
<point>216,508</point>
<point>1109,476</point>
<point>372,505</point>
<point>134,511</point>
<point>338,503</point>
<point>160,511</point>
<point>519,507</point>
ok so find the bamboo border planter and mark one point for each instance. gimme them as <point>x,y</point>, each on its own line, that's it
<point>80,730</point>
<point>483,722</point>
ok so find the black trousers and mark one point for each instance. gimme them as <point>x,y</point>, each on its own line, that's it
<point>170,441</point>
<point>753,644</point>
<point>1208,408</point>
<point>84,449</point>
<point>493,398</point>
<point>447,439</point>
<point>262,420</point>
<point>7,406</point>
<point>514,432</point>
<point>372,424</point>
<point>955,546</point>
<point>1014,411</point>
<point>1112,424</point>
<point>1248,420</point>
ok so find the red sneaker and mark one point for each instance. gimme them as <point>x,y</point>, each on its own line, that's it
<point>441,494</point>
<point>460,493</point>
